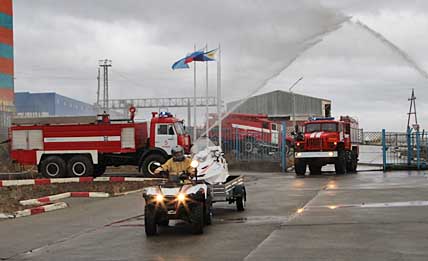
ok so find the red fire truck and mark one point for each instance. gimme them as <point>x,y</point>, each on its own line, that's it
<point>254,131</point>
<point>85,146</point>
<point>327,141</point>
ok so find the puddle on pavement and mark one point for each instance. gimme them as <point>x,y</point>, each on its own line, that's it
<point>252,220</point>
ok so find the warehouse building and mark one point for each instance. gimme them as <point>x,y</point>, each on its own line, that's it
<point>279,105</point>
<point>50,104</point>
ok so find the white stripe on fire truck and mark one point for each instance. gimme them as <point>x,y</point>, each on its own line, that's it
<point>82,139</point>
<point>245,127</point>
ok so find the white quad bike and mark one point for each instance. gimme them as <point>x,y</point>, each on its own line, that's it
<point>191,199</point>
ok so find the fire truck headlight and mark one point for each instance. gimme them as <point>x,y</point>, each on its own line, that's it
<point>335,143</point>
<point>298,144</point>
<point>299,154</point>
<point>181,197</point>
<point>330,154</point>
<point>194,164</point>
<point>159,197</point>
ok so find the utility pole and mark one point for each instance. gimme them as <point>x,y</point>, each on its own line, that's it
<point>412,111</point>
<point>293,108</point>
<point>98,89</point>
<point>105,64</point>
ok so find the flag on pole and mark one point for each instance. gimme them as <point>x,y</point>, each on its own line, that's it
<point>198,56</point>
<point>180,64</point>
<point>183,63</point>
<point>206,57</point>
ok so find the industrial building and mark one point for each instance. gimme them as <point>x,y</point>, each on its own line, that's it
<point>279,105</point>
<point>50,104</point>
<point>6,66</point>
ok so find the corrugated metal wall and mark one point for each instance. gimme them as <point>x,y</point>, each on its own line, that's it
<point>280,103</point>
<point>6,66</point>
<point>50,104</point>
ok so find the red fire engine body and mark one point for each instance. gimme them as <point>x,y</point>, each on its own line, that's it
<point>327,141</point>
<point>253,131</point>
<point>85,146</point>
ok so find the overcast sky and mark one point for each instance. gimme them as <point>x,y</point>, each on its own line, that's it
<point>58,44</point>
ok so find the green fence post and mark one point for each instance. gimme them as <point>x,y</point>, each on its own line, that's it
<point>384,149</point>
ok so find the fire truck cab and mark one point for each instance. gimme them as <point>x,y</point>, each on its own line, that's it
<point>86,145</point>
<point>327,141</point>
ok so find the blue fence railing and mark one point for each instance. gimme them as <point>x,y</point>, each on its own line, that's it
<point>405,150</point>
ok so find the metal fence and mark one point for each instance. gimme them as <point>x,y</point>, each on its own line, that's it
<point>405,150</point>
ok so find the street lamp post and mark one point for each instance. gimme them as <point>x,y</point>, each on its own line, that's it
<point>293,108</point>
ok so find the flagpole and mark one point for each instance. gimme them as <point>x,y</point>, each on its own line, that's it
<point>206,95</point>
<point>194,99</point>
<point>219,95</point>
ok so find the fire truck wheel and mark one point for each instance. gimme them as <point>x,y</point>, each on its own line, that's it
<point>249,145</point>
<point>352,164</point>
<point>149,165</point>
<point>340,164</point>
<point>299,167</point>
<point>53,167</point>
<point>99,170</point>
<point>80,166</point>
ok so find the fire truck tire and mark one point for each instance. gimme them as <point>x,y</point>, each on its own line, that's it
<point>299,168</point>
<point>197,219</point>
<point>340,164</point>
<point>99,170</point>
<point>352,164</point>
<point>80,166</point>
<point>53,167</point>
<point>248,145</point>
<point>148,166</point>
<point>150,225</point>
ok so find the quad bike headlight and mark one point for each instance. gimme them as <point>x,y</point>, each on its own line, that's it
<point>194,164</point>
<point>159,197</point>
<point>181,197</point>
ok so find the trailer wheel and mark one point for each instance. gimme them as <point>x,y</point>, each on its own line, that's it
<point>53,167</point>
<point>149,166</point>
<point>299,167</point>
<point>197,219</point>
<point>239,204</point>
<point>150,225</point>
<point>340,164</point>
<point>99,170</point>
<point>80,166</point>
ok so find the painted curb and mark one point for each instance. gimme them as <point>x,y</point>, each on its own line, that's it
<point>50,199</point>
<point>22,182</point>
<point>35,210</point>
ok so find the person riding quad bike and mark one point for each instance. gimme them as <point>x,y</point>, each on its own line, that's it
<point>178,165</point>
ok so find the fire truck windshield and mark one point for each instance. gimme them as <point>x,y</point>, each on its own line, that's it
<point>314,127</point>
<point>179,128</point>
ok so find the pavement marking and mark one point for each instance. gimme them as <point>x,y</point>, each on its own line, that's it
<point>416,203</point>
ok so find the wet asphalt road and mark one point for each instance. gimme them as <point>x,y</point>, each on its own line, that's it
<point>337,222</point>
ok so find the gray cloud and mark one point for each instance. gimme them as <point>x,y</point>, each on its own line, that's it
<point>58,44</point>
